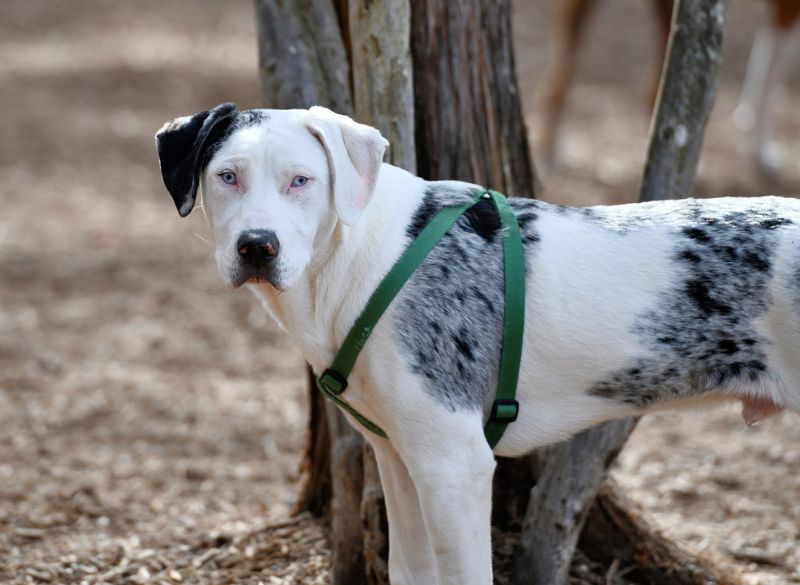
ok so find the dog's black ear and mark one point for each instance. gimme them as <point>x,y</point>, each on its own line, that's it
<point>182,148</point>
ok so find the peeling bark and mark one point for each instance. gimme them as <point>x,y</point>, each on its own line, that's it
<point>301,56</point>
<point>381,68</point>
<point>469,123</point>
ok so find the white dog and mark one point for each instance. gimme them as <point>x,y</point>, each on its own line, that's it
<point>628,307</point>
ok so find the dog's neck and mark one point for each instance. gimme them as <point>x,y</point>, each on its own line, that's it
<point>349,262</point>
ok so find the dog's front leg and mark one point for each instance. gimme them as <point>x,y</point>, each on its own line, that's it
<point>411,559</point>
<point>452,465</point>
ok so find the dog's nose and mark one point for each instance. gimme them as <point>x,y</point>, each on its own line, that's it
<point>257,247</point>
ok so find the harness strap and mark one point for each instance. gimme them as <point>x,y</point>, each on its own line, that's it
<point>505,408</point>
<point>333,381</point>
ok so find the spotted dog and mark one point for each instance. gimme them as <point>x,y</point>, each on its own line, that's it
<point>628,308</point>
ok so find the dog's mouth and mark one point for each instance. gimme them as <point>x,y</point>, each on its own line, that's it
<point>266,281</point>
<point>246,275</point>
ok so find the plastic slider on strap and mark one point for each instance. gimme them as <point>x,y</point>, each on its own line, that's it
<point>332,382</point>
<point>504,411</point>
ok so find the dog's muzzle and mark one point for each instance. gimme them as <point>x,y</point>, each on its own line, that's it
<point>257,251</point>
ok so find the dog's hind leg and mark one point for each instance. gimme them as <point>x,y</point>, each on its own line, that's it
<point>452,465</point>
<point>411,557</point>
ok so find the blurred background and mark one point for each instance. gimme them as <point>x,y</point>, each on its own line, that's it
<point>151,420</point>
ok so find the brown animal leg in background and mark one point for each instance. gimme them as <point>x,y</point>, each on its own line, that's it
<point>775,49</point>
<point>569,19</point>
<point>785,13</point>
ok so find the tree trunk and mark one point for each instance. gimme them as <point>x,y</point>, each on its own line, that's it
<point>380,64</point>
<point>380,56</point>
<point>315,468</point>
<point>688,87</point>
<point>468,117</point>
<point>353,57</point>
<point>556,514</point>
<point>301,56</point>
<point>560,501</point>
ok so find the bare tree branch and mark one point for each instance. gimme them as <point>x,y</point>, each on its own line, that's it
<point>560,500</point>
<point>686,96</point>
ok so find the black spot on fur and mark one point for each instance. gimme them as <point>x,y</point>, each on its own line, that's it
<point>757,261</point>
<point>484,219</point>
<point>463,352</point>
<point>697,234</point>
<point>423,216</point>
<point>774,222</point>
<point>729,253</point>
<point>698,291</point>
<point>604,391</point>
<point>483,298</point>
<point>463,347</point>
<point>701,333</point>
<point>251,118</point>
<point>689,255</point>
<point>524,219</point>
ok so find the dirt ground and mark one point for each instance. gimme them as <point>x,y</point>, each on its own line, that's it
<point>151,421</point>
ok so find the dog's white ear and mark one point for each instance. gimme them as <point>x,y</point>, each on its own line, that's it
<point>183,147</point>
<point>355,152</point>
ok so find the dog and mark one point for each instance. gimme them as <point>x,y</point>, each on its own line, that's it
<point>628,308</point>
<point>774,51</point>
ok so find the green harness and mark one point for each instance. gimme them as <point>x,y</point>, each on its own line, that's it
<point>505,408</point>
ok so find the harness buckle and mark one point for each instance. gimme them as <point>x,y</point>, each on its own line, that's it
<point>332,382</point>
<point>504,410</point>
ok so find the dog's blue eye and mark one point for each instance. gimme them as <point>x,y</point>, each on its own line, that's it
<point>299,181</point>
<point>228,177</point>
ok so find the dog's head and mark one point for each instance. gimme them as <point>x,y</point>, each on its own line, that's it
<point>274,183</point>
